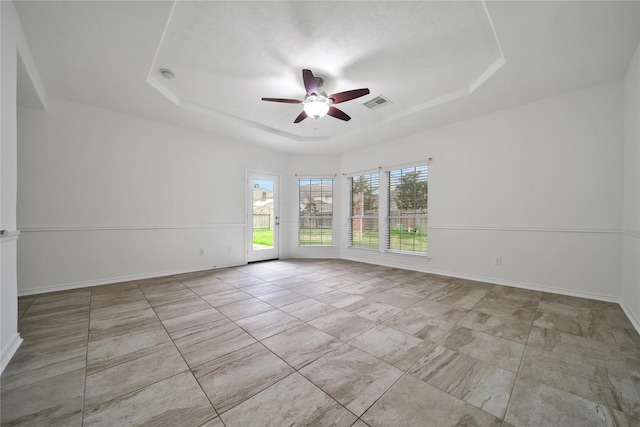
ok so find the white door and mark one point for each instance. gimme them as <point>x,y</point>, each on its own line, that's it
<point>262,216</point>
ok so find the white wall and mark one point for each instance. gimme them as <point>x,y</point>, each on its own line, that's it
<point>631,240</point>
<point>539,185</point>
<point>105,197</point>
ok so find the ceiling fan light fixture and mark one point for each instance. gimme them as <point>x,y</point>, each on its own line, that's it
<point>316,106</point>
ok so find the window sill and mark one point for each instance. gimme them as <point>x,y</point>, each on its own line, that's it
<point>409,254</point>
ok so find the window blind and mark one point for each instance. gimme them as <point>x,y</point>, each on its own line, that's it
<point>364,206</point>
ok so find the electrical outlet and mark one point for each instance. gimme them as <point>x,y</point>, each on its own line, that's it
<point>497,260</point>
<point>201,251</point>
<point>229,249</point>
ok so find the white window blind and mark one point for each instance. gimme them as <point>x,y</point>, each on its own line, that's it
<point>316,212</point>
<point>364,198</point>
<point>407,216</point>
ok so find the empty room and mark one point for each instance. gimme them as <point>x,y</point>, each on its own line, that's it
<point>320,213</point>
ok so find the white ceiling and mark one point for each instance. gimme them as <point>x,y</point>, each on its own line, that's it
<point>438,62</point>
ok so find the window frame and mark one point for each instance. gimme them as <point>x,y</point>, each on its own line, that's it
<point>302,217</point>
<point>375,216</point>
<point>387,211</point>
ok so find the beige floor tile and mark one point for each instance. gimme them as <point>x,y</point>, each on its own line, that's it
<point>269,323</point>
<point>282,297</point>
<point>372,310</point>
<point>352,377</point>
<point>445,312</point>
<point>48,402</point>
<point>130,372</point>
<point>502,309</point>
<point>226,297</point>
<point>175,401</point>
<point>343,324</point>
<point>36,358</point>
<point>105,308</point>
<point>197,321</point>
<point>301,345</point>
<point>480,384</point>
<point>392,346</point>
<point>66,330</point>
<point>573,361</point>
<point>308,309</point>
<point>294,401</point>
<point>427,328</point>
<point>340,299</point>
<point>575,374</point>
<point>178,308</point>
<point>118,341</point>
<point>509,329</point>
<point>414,403</point>
<point>536,404</point>
<point>235,377</point>
<point>261,289</point>
<point>210,288</point>
<point>53,320</point>
<point>459,296</point>
<point>58,304</point>
<point>496,351</point>
<point>197,281</point>
<point>129,319</point>
<point>245,308</point>
<point>597,352</point>
<point>211,343</point>
<point>37,371</point>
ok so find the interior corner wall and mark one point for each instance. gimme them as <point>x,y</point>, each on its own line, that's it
<point>539,185</point>
<point>105,197</point>
<point>9,33</point>
<point>631,238</point>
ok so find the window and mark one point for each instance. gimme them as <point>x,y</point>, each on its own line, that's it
<point>407,214</point>
<point>364,230</point>
<point>316,212</point>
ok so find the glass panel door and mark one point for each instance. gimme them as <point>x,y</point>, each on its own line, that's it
<point>262,217</point>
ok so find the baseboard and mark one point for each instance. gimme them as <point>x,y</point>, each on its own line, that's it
<point>112,280</point>
<point>9,351</point>
<point>631,316</point>
<point>492,280</point>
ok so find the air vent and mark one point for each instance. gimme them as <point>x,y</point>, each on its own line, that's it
<point>376,102</point>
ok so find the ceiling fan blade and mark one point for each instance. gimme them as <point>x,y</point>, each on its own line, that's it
<point>300,117</point>
<point>338,114</point>
<point>288,101</point>
<point>310,83</point>
<point>348,95</point>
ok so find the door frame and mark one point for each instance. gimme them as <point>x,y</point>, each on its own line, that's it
<point>263,255</point>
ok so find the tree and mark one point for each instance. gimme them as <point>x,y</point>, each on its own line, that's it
<point>310,209</point>
<point>411,193</point>
<point>361,185</point>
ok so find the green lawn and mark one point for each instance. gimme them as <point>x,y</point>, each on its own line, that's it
<point>399,240</point>
<point>263,237</point>
<point>315,236</point>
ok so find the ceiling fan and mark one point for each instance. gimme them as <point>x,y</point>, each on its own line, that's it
<point>317,103</point>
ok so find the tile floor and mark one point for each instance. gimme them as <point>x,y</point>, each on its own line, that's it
<point>320,343</point>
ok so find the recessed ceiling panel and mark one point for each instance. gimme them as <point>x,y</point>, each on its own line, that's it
<point>226,56</point>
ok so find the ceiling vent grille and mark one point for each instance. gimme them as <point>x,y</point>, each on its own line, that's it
<point>376,102</point>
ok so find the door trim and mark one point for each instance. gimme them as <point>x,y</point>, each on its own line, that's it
<point>251,174</point>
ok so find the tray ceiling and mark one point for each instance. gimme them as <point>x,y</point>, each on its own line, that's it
<point>437,62</point>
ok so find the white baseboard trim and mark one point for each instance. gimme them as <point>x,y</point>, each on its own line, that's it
<point>632,317</point>
<point>9,351</point>
<point>112,280</point>
<point>492,280</point>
